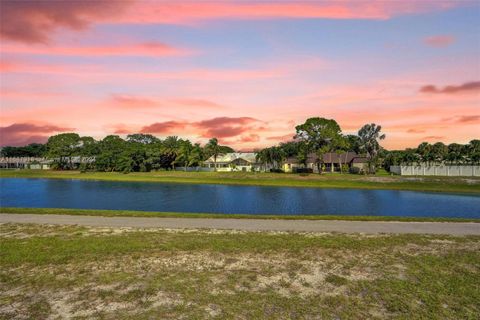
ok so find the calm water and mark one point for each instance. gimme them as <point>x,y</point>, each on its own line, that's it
<point>231,199</point>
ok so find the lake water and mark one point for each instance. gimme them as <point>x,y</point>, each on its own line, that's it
<point>49,193</point>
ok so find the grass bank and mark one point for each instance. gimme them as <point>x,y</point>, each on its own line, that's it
<point>104,273</point>
<point>152,214</point>
<point>383,181</point>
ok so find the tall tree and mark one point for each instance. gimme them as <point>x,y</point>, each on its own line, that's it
<point>31,150</point>
<point>142,138</point>
<point>213,148</point>
<point>317,132</point>
<point>474,151</point>
<point>263,156</point>
<point>111,149</point>
<point>342,146</point>
<point>62,147</point>
<point>424,150</point>
<point>439,152</point>
<point>455,153</point>
<point>196,156</point>
<point>353,142</point>
<point>320,135</point>
<point>185,154</point>
<point>369,135</point>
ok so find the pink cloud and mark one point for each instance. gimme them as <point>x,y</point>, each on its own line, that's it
<point>174,127</point>
<point>19,134</point>
<point>249,138</point>
<point>107,74</point>
<point>225,127</point>
<point>35,21</point>
<point>189,11</point>
<point>196,103</point>
<point>438,138</point>
<point>220,127</point>
<point>469,119</point>
<point>415,130</point>
<point>132,101</point>
<point>152,49</point>
<point>439,41</point>
<point>138,102</point>
<point>282,138</point>
<point>463,88</point>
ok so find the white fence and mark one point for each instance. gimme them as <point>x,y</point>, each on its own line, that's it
<point>448,171</point>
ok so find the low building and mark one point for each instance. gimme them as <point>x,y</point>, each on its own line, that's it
<point>38,163</point>
<point>332,162</point>
<point>235,161</point>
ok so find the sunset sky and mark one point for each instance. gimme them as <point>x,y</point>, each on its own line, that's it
<point>245,72</point>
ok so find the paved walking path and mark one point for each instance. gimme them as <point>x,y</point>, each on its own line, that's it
<point>450,228</point>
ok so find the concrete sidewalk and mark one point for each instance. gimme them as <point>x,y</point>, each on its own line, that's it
<point>448,228</point>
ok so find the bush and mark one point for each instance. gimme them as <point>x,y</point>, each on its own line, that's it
<point>83,168</point>
<point>276,170</point>
<point>354,170</point>
<point>303,170</point>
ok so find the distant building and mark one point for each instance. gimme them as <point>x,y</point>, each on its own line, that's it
<point>235,161</point>
<point>41,163</point>
<point>332,162</point>
<point>25,163</point>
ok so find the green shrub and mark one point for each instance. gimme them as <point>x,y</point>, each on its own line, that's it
<point>354,170</point>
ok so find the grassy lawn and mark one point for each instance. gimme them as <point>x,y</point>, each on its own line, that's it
<point>59,271</point>
<point>130,213</point>
<point>381,181</point>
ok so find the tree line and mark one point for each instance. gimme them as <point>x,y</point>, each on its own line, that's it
<point>138,152</point>
<point>317,136</point>
<point>436,153</point>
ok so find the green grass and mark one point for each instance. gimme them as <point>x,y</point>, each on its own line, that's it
<point>130,213</point>
<point>335,180</point>
<point>104,273</point>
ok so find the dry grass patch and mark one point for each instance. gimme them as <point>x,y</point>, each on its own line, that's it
<point>108,273</point>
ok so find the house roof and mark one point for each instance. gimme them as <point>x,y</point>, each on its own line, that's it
<point>360,160</point>
<point>229,157</point>
<point>334,157</point>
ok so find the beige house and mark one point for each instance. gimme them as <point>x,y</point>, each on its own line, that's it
<point>235,161</point>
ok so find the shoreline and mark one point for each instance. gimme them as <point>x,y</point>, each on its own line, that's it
<point>331,181</point>
<point>191,215</point>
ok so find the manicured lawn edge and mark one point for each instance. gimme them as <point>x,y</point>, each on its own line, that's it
<point>152,214</point>
<point>347,181</point>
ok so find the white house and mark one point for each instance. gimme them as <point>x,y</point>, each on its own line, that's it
<point>235,161</point>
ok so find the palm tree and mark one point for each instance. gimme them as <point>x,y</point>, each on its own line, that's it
<point>320,153</point>
<point>213,148</point>
<point>185,153</point>
<point>263,156</point>
<point>342,145</point>
<point>369,135</point>
<point>474,151</point>
<point>196,155</point>
<point>424,150</point>
<point>171,146</point>
<point>277,155</point>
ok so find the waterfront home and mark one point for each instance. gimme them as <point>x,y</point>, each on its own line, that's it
<point>42,163</point>
<point>235,161</point>
<point>25,163</point>
<point>332,162</point>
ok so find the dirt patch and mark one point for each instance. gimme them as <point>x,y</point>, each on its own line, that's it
<point>173,282</point>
